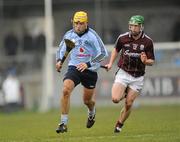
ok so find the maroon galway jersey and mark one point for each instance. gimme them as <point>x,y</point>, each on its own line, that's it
<point>130,50</point>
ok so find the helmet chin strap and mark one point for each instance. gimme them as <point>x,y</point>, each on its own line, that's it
<point>142,28</point>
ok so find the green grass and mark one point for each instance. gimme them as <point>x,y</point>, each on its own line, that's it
<point>145,124</point>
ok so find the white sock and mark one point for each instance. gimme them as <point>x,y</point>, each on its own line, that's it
<point>92,112</point>
<point>64,118</point>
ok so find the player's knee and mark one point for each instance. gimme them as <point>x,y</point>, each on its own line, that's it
<point>115,100</point>
<point>128,104</point>
<point>66,92</point>
<point>87,102</point>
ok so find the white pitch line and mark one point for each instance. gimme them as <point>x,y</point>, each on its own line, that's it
<point>139,136</point>
<point>101,137</point>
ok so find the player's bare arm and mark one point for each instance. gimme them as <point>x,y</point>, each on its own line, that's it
<point>114,54</point>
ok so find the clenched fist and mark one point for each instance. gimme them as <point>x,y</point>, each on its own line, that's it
<point>143,57</point>
<point>58,66</point>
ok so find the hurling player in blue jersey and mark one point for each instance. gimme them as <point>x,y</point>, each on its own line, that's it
<point>84,61</point>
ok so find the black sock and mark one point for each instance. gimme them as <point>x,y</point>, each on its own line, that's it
<point>120,125</point>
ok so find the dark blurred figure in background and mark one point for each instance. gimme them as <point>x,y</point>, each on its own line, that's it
<point>176,36</point>
<point>11,44</point>
<point>40,43</point>
<point>1,94</point>
<point>13,93</point>
<point>28,44</point>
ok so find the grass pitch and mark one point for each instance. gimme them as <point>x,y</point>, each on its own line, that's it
<point>145,124</point>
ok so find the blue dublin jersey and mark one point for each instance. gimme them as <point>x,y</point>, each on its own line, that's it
<point>89,48</point>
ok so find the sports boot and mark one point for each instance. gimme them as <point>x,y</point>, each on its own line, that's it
<point>61,128</point>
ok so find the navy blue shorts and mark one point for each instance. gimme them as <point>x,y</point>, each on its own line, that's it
<point>87,78</point>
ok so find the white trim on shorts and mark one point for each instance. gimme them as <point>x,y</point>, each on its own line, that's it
<point>135,83</point>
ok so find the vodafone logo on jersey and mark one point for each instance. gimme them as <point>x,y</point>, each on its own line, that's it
<point>82,53</point>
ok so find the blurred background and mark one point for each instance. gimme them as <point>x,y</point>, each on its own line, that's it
<point>31,31</point>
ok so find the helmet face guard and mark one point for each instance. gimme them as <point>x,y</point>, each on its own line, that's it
<point>136,20</point>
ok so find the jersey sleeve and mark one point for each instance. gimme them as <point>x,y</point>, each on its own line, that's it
<point>150,50</point>
<point>61,50</point>
<point>101,51</point>
<point>118,44</point>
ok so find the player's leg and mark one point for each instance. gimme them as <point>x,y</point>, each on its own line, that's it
<point>88,80</point>
<point>119,86</point>
<point>126,110</point>
<point>71,79</point>
<point>90,103</point>
<point>131,96</point>
<point>68,86</point>
<point>118,92</point>
<point>88,98</point>
<point>134,88</point>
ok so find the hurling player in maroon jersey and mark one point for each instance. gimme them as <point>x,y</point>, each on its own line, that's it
<point>136,51</point>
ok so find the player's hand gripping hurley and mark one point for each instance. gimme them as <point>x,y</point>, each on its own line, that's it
<point>69,46</point>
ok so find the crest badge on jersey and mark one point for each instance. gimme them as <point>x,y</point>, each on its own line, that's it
<point>135,46</point>
<point>141,47</point>
<point>80,42</point>
<point>86,42</point>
